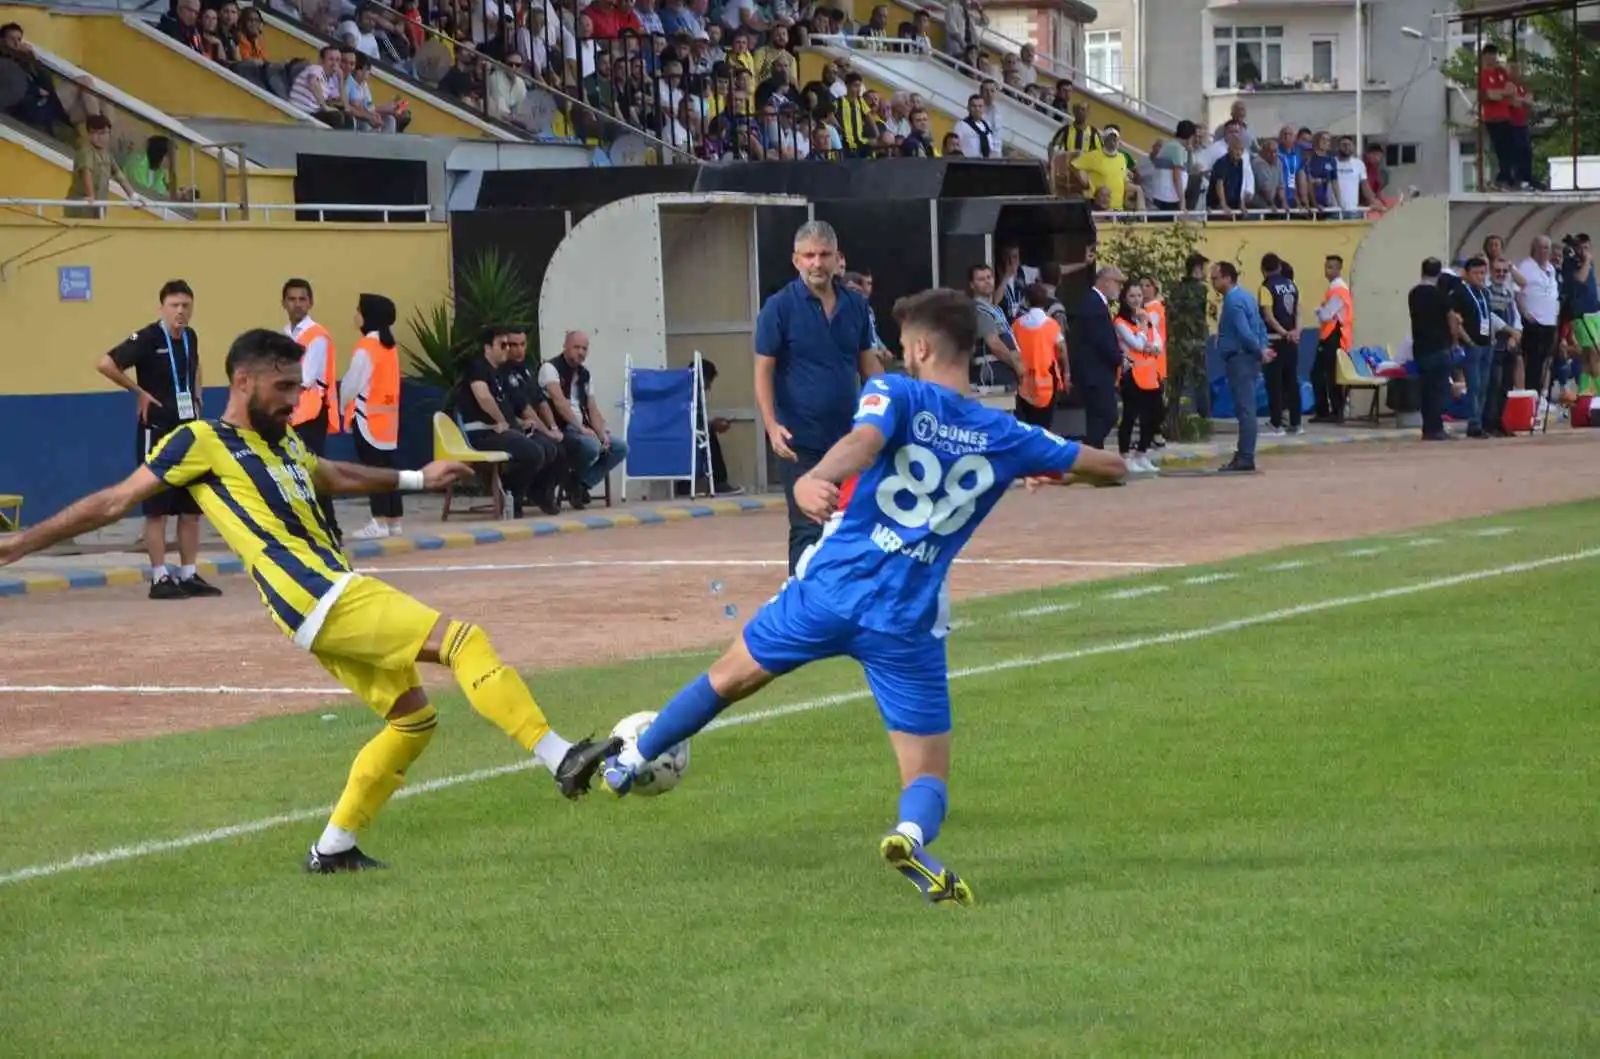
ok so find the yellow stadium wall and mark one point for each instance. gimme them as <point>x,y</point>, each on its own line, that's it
<point>145,68</point>
<point>236,272</point>
<point>67,430</point>
<point>27,176</point>
<point>1304,244</point>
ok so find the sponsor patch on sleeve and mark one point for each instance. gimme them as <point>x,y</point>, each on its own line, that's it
<point>873,404</point>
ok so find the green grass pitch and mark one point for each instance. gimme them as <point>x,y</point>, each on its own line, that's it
<point>1366,827</point>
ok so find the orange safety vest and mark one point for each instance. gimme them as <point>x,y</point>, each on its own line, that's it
<point>1146,362</point>
<point>1041,373</point>
<point>379,404</point>
<point>1340,293</point>
<point>1158,321</point>
<point>326,390</point>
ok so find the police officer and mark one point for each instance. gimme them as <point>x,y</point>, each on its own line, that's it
<point>165,359</point>
<point>531,408</point>
<point>1280,311</point>
<point>813,348</point>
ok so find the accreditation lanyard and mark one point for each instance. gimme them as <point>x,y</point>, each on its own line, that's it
<point>180,379</point>
<point>1481,303</point>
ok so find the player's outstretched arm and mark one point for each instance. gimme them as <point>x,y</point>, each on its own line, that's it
<point>90,513</point>
<point>817,491</point>
<point>1092,467</point>
<point>343,479</point>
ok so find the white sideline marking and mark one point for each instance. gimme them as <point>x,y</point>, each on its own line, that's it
<point>1492,531</point>
<point>1421,542</point>
<point>1048,608</point>
<point>158,689</point>
<point>1292,564</point>
<point>150,848</point>
<point>1208,579</point>
<point>1365,553</point>
<point>470,568</point>
<point>1135,593</point>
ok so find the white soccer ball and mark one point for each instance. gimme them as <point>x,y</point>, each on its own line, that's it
<point>666,771</point>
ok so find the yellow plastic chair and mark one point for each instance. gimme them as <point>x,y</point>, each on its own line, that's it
<point>449,443</point>
<point>1347,376</point>
<point>10,512</point>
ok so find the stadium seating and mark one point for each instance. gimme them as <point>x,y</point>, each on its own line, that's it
<point>449,443</point>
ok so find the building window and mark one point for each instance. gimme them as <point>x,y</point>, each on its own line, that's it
<point>1397,154</point>
<point>1324,60</point>
<point>1102,54</point>
<point>1248,56</point>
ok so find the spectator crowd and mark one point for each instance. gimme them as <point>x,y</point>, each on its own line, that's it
<point>1229,173</point>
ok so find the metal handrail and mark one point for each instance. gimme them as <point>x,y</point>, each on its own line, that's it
<point>224,208</point>
<point>1294,213</point>
<point>532,83</point>
<point>1055,68</point>
<point>851,42</point>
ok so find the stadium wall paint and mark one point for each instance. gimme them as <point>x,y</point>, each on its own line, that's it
<point>87,441</point>
<point>64,428</point>
<point>1304,244</point>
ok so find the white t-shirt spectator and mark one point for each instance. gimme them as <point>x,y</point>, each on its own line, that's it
<point>1350,172</point>
<point>651,22</point>
<point>731,17</point>
<point>996,124</point>
<point>1155,181</point>
<point>313,88</point>
<point>1541,296</point>
<point>365,43</point>
<point>570,49</point>
<point>970,133</point>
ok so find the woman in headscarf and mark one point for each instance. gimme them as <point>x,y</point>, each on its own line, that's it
<point>370,394</point>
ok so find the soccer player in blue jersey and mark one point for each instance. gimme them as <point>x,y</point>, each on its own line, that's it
<point>900,495</point>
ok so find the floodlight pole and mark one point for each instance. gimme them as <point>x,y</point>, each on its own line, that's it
<point>1361,77</point>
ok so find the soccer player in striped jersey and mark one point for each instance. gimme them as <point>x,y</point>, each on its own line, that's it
<point>900,495</point>
<point>258,484</point>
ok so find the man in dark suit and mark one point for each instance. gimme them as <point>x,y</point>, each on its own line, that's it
<point>1095,356</point>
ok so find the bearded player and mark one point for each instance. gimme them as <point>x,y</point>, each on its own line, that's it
<point>258,485</point>
<point>923,466</point>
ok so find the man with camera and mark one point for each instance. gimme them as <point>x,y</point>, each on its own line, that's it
<point>1580,295</point>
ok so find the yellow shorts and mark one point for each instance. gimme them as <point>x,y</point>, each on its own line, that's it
<point>370,639</point>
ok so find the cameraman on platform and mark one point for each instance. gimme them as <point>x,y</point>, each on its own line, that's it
<point>1580,297</point>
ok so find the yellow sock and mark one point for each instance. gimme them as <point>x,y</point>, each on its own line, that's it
<point>494,689</point>
<point>380,768</point>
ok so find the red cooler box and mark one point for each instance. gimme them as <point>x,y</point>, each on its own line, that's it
<point>1522,408</point>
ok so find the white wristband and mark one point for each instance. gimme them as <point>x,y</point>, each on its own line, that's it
<point>412,482</point>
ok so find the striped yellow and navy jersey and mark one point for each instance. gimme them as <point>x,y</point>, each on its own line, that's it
<point>260,496</point>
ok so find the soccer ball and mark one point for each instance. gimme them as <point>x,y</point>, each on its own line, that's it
<point>666,771</point>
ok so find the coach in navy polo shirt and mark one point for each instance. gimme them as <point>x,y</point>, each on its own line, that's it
<point>813,348</point>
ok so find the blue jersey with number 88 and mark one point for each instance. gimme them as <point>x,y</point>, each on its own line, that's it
<point>945,463</point>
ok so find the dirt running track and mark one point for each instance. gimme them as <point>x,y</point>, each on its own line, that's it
<point>563,614</point>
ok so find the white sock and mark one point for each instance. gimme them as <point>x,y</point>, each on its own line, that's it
<point>910,830</point>
<point>630,757</point>
<point>336,840</point>
<point>185,572</point>
<point>550,749</point>
<point>158,572</point>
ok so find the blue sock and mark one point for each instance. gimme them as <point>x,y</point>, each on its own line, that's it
<point>922,806</point>
<point>690,710</point>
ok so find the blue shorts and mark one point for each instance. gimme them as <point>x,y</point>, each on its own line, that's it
<point>908,675</point>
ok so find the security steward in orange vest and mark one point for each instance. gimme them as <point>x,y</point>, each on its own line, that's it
<point>1336,320</point>
<point>370,394</point>
<point>1042,348</point>
<point>317,414</point>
